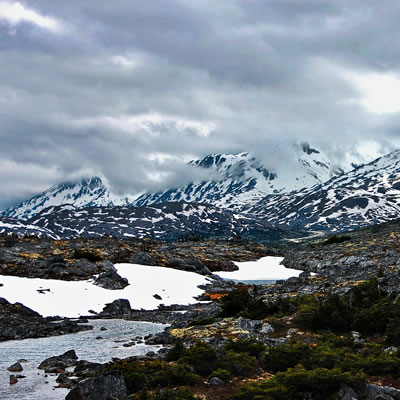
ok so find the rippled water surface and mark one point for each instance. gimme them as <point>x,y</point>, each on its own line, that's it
<point>37,386</point>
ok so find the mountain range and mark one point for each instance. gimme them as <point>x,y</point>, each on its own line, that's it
<point>306,193</point>
<point>238,180</point>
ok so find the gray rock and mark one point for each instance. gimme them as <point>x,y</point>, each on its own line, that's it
<point>214,381</point>
<point>108,386</point>
<point>249,324</point>
<point>111,280</point>
<point>267,328</point>
<point>68,359</point>
<point>117,308</point>
<point>17,367</point>
<point>346,393</point>
<point>375,392</point>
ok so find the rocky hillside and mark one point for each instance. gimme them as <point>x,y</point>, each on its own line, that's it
<point>367,195</point>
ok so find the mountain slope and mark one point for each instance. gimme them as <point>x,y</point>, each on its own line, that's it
<point>12,225</point>
<point>85,193</point>
<point>169,221</point>
<point>367,195</point>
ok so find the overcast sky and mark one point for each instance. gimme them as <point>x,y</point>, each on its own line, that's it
<point>131,90</point>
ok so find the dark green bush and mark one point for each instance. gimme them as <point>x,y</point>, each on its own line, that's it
<point>140,375</point>
<point>201,357</point>
<point>393,331</point>
<point>297,383</point>
<point>222,374</point>
<point>331,312</point>
<point>202,321</point>
<point>90,255</point>
<point>179,393</point>
<point>250,346</point>
<point>336,239</point>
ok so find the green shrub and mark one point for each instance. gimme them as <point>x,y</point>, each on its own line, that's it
<point>297,383</point>
<point>179,393</point>
<point>89,254</point>
<point>331,312</point>
<point>393,331</point>
<point>140,375</point>
<point>202,321</point>
<point>201,357</point>
<point>336,239</point>
<point>251,346</point>
<point>222,374</point>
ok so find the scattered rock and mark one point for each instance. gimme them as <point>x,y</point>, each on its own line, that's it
<point>13,380</point>
<point>157,296</point>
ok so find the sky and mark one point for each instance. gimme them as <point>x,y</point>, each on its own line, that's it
<point>132,90</point>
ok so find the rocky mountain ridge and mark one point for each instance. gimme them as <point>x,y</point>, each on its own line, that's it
<point>367,195</point>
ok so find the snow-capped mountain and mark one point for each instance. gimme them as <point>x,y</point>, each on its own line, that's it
<point>236,180</point>
<point>367,195</point>
<point>243,180</point>
<point>85,193</point>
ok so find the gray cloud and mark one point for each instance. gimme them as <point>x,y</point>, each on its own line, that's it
<point>132,90</point>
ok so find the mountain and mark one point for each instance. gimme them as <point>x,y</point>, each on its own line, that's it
<point>236,180</point>
<point>85,193</point>
<point>168,221</point>
<point>367,195</point>
<point>243,180</point>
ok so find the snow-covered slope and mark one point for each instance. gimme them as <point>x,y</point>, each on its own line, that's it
<point>18,227</point>
<point>167,221</point>
<point>243,180</point>
<point>85,193</point>
<point>367,195</point>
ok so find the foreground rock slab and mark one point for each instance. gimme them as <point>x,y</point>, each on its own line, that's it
<point>107,386</point>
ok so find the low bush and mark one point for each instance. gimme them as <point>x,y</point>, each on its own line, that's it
<point>336,239</point>
<point>90,255</point>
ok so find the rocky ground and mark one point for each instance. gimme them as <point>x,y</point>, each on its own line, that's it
<point>333,266</point>
<point>20,322</point>
<point>80,259</point>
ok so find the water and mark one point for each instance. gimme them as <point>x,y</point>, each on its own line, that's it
<point>36,386</point>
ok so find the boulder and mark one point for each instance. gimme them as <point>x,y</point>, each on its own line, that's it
<point>13,379</point>
<point>68,359</point>
<point>111,280</point>
<point>249,324</point>
<point>107,386</point>
<point>17,367</point>
<point>376,392</point>
<point>117,308</point>
<point>214,381</point>
<point>346,393</point>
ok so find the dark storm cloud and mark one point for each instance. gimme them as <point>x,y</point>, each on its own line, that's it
<point>132,90</point>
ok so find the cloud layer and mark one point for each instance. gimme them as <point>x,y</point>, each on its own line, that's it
<point>133,90</point>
